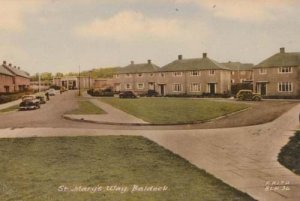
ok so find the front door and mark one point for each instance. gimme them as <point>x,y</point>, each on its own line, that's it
<point>261,88</point>
<point>212,88</point>
<point>162,89</point>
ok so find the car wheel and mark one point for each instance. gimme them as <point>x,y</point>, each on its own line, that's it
<point>256,98</point>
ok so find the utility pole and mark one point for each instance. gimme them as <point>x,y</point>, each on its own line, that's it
<point>39,78</point>
<point>79,91</point>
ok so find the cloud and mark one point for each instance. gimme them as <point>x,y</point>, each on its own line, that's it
<point>130,25</point>
<point>245,10</point>
<point>13,13</point>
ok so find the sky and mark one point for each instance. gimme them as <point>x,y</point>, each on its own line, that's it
<point>61,35</point>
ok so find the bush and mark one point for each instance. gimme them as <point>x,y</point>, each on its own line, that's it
<point>107,93</point>
<point>5,97</point>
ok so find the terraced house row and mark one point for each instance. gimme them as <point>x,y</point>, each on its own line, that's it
<point>13,79</point>
<point>277,76</point>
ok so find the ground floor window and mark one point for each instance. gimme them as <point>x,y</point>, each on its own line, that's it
<point>177,87</point>
<point>195,87</point>
<point>128,86</point>
<point>6,89</point>
<point>140,85</point>
<point>285,87</point>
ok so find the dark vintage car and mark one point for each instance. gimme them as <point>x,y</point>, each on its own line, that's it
<point>128,94</point>
<point>29,102</point>
<point>41,98</point>
<point>249,95</point>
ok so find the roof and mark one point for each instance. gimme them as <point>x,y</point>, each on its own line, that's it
<point>139,68</point>
<point>18,72</point>
<point>204,63</point>
<point>238,65</point>
<point>281,59</point>
<point>4,71</point>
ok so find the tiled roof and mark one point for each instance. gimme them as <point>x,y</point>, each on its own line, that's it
<point>281,59</point>
<point>4,71</point>
<point>139,68</point>
<point>18,72</point>
<point>194,64</point>
<point>238,65</point>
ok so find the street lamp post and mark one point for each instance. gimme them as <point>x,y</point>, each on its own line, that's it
<point>79,91</point>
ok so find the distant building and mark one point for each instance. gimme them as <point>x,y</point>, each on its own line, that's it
<point>240,72</point>
<point>136,77</point>
<point>72,82</point>
<point>20,79</point>
<point>103,83</point>
<point>278,75</point>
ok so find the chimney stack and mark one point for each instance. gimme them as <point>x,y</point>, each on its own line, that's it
<point>282,50</point>
<point>132,62</point>
<point>19,68</point>
<point>15,66</point>
<point>180,57</point>
<point>9,65</point>
<point>4,63</point>
<point>204,55</point>
<point>149,61</point>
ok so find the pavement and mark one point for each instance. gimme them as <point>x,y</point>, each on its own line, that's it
<point>10,104</point>
<point>112,116</point>
<point>243,157</point>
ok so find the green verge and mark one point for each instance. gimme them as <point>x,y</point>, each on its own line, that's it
<point>289,155</point>
<point>35,169</point>
<point>174,110</point>
<point>10,109</point>
<point>86,107</point>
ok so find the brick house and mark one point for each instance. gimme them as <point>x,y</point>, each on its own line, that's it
<point>240,72</point>
<point>278,75</point>
<point>72,82</point>
<point>193,76</point>
<point>21,79</point>
<point>6,80</point>
<point>136,77</point>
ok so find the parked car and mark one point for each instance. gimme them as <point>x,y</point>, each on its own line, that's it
<point>29,102</point>
<point>152,93</point>
<point>51,92</point>
<point>248,95</point>
<point>41,98</point>
<point>128,94</point>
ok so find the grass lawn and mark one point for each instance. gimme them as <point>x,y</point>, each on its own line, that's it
<point>289,155</point>
<point>9,109</point>
<point>174,110</point>
<point>86,107</point>
<point>35,169</point>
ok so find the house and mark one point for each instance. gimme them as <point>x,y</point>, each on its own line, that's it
<point>6,80</point>
<point>73,82</point>
<point>240,72</point>
<point>278,75</point>
<point>21,79</point>
<point>136,77</point>
<point>103,83</point>
<point>193,76</point>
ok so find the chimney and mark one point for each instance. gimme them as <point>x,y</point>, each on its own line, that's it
<point>204,55</point>
<point>4,63</point>
<point>149,61</point>
<point>282,50</point>
<point>19,67</point>
<point>180,57</point>
<point>132,62</point>
<point>15,66</point>
<point>9,65</point>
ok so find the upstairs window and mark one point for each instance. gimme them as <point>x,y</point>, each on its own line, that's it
<point>177,74</point>
<point>195,73</point>
<point>285,69</point>
<point>140,74</point>
<point>211,72</point>
<point>128,75</point>
<point>262,71</point>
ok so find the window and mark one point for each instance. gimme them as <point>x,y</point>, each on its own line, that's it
<point>117,75</point>
<point>177,74</point>
<point>151,74</point>
<point>232,72</point>
<point>211,72</point>
<point>162,75</point>
<point>177,87</point>
<point>140,85</point>
<point>140,74</point>
<point>285,70</point>
<point>262,71</point>
<point>128,86</point>
<point>285,87</point>
<point>128,75</point>
<point>195,87</point>
<point>243,72</point>
<point>232,81</point>
<point>195,73</point>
